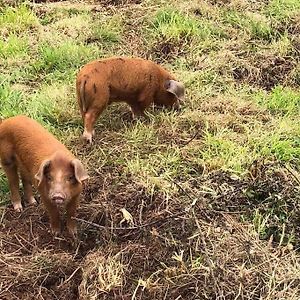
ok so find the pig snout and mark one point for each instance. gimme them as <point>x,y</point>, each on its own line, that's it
<point>58,197</point>
<point>177,105</point>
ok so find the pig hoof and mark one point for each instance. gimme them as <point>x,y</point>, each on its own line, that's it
<point>18,207</point>
<point>88,137</point>
<point>73,233</point>
<point>32,201</point>
<point>74,237</point>
<point>75,242</point>
<point>55,232</point>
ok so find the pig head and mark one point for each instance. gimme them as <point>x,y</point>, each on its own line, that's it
<point>59,181</point>
<point>170,95</point>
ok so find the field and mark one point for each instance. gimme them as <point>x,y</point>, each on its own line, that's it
<point>213,190</point>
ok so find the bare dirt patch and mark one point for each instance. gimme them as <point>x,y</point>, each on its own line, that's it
<point>266,71</point>
<point>168,237</point>
<point>168,50</point>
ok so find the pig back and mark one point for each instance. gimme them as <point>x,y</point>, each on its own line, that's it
<point>30,141</point>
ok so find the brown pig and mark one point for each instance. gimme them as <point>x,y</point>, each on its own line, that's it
<point>29,149</point>
<point>135,81</point>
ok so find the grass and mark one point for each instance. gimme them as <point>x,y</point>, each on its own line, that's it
<point>17,20</point>
<point>282,9</point>
<point>254,25</point>
<point>214,187</point>
<point>173,24</point>
<point>63,56</point>
<point>281,100</point>
<point>14,48</point>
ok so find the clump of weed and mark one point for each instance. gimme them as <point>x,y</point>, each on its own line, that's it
<point>106,30</point>
<point>173,32</point>
<point>282,100</point>
<point>282,9</point>
<point>11,100</point>
<point>13,48</point>
<point>101,274</point>
<point>255,25</point>
<point>17,20</point>
<point>63,56</point>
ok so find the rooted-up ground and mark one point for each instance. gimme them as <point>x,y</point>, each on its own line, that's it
<point>213,190</point>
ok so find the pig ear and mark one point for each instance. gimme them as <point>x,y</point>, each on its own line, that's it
<point>79,171</point>
<point>176,88</point>
<point>41,172</point>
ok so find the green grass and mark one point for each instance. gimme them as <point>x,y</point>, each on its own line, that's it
<point>11,100</point>
<point>281,100</point>
<point>17,20</point>
<point>14,48</point>
<point>63,56</point>
<point>283,142</point>
<point>283,9</point>
<point>203,155</point>
<point>220,151</point>
<point>172,24</point>
<point>107,30</point>
<point>255,25</point>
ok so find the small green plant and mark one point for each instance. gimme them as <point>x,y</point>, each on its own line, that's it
<point>63,56</point>
<point>282,9</point>
<point>17,20</point>
<point>281,100</point>
<point>254,25</point>
<point>107,30</point>
<point>14,47</point>
<point>221,151</point>
<point>174,25</point>
<point>10,99</point>
<point>260,223</point>
<point>282,142</point>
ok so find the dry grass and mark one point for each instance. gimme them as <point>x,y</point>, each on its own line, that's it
<point>201,204</point>
<point>101,275</point>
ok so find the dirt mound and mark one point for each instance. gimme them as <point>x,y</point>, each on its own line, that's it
<point>266,71</point>
<point>168,50</point>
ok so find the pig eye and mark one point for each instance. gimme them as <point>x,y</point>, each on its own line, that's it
<point>72,179</point>
<point>48,177</point>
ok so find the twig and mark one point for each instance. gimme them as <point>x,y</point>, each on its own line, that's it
<point>132,227</point>
<point>182,189</point>
<point>191,139</point>
<point>70,277</point>
<point>295,177</point>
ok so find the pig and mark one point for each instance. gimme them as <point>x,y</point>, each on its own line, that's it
<point>44,162</point>
<point>136,81</point>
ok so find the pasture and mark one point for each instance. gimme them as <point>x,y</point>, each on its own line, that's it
<point>213,190</point>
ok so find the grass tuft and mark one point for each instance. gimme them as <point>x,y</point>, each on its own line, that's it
<point>101,275</point>
<point>281,100</point>
<point>17,20</point>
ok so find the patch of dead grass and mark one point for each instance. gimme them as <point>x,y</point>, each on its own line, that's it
<point>101,274</point>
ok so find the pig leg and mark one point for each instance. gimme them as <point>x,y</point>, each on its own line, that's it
<point>90,119</point>
<point>27,186</point>
<point>137,111</point>
<point>10,168</point>
<point>53,214</point>
<point>144,100</point>
<point>71,212</point>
